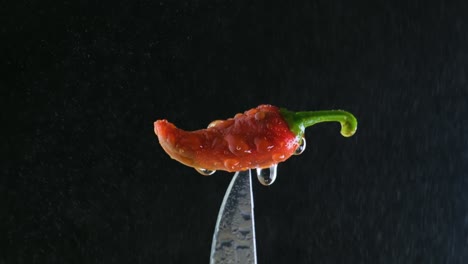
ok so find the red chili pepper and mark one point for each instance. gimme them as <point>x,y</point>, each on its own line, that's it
<point>258,138</point>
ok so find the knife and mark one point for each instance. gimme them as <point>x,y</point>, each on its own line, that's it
<point>234,235</point>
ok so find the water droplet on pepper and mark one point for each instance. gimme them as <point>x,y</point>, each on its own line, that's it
<point>214,123</point>
<point>278,157</point>
<point>301,147</point>
<point>262,144</point>
<point>237,145</point>
<point>259,116</point>
<point>205,171</point>
<point>267,176</point>
<point>231,164</point>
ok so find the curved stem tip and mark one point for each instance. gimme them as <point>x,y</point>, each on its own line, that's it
<point>298,121</point>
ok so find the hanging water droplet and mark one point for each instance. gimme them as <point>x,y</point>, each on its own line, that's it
<point>302,146</point>
<point>205,171</point>
<point>267,176</point>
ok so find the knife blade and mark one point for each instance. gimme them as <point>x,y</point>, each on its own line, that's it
<point>234,235</point>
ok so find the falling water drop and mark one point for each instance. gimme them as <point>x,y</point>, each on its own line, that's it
<point>267,176</point>
<point>205,171</point>
<point>302,146</point>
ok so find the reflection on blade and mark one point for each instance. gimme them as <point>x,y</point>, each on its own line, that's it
<point>234,236</point>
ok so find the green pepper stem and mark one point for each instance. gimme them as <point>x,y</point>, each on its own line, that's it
<point>299,121</point>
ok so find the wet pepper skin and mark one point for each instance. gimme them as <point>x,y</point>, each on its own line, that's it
<point>258,138</point>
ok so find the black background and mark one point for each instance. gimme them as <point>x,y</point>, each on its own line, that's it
<point>85,180</point>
